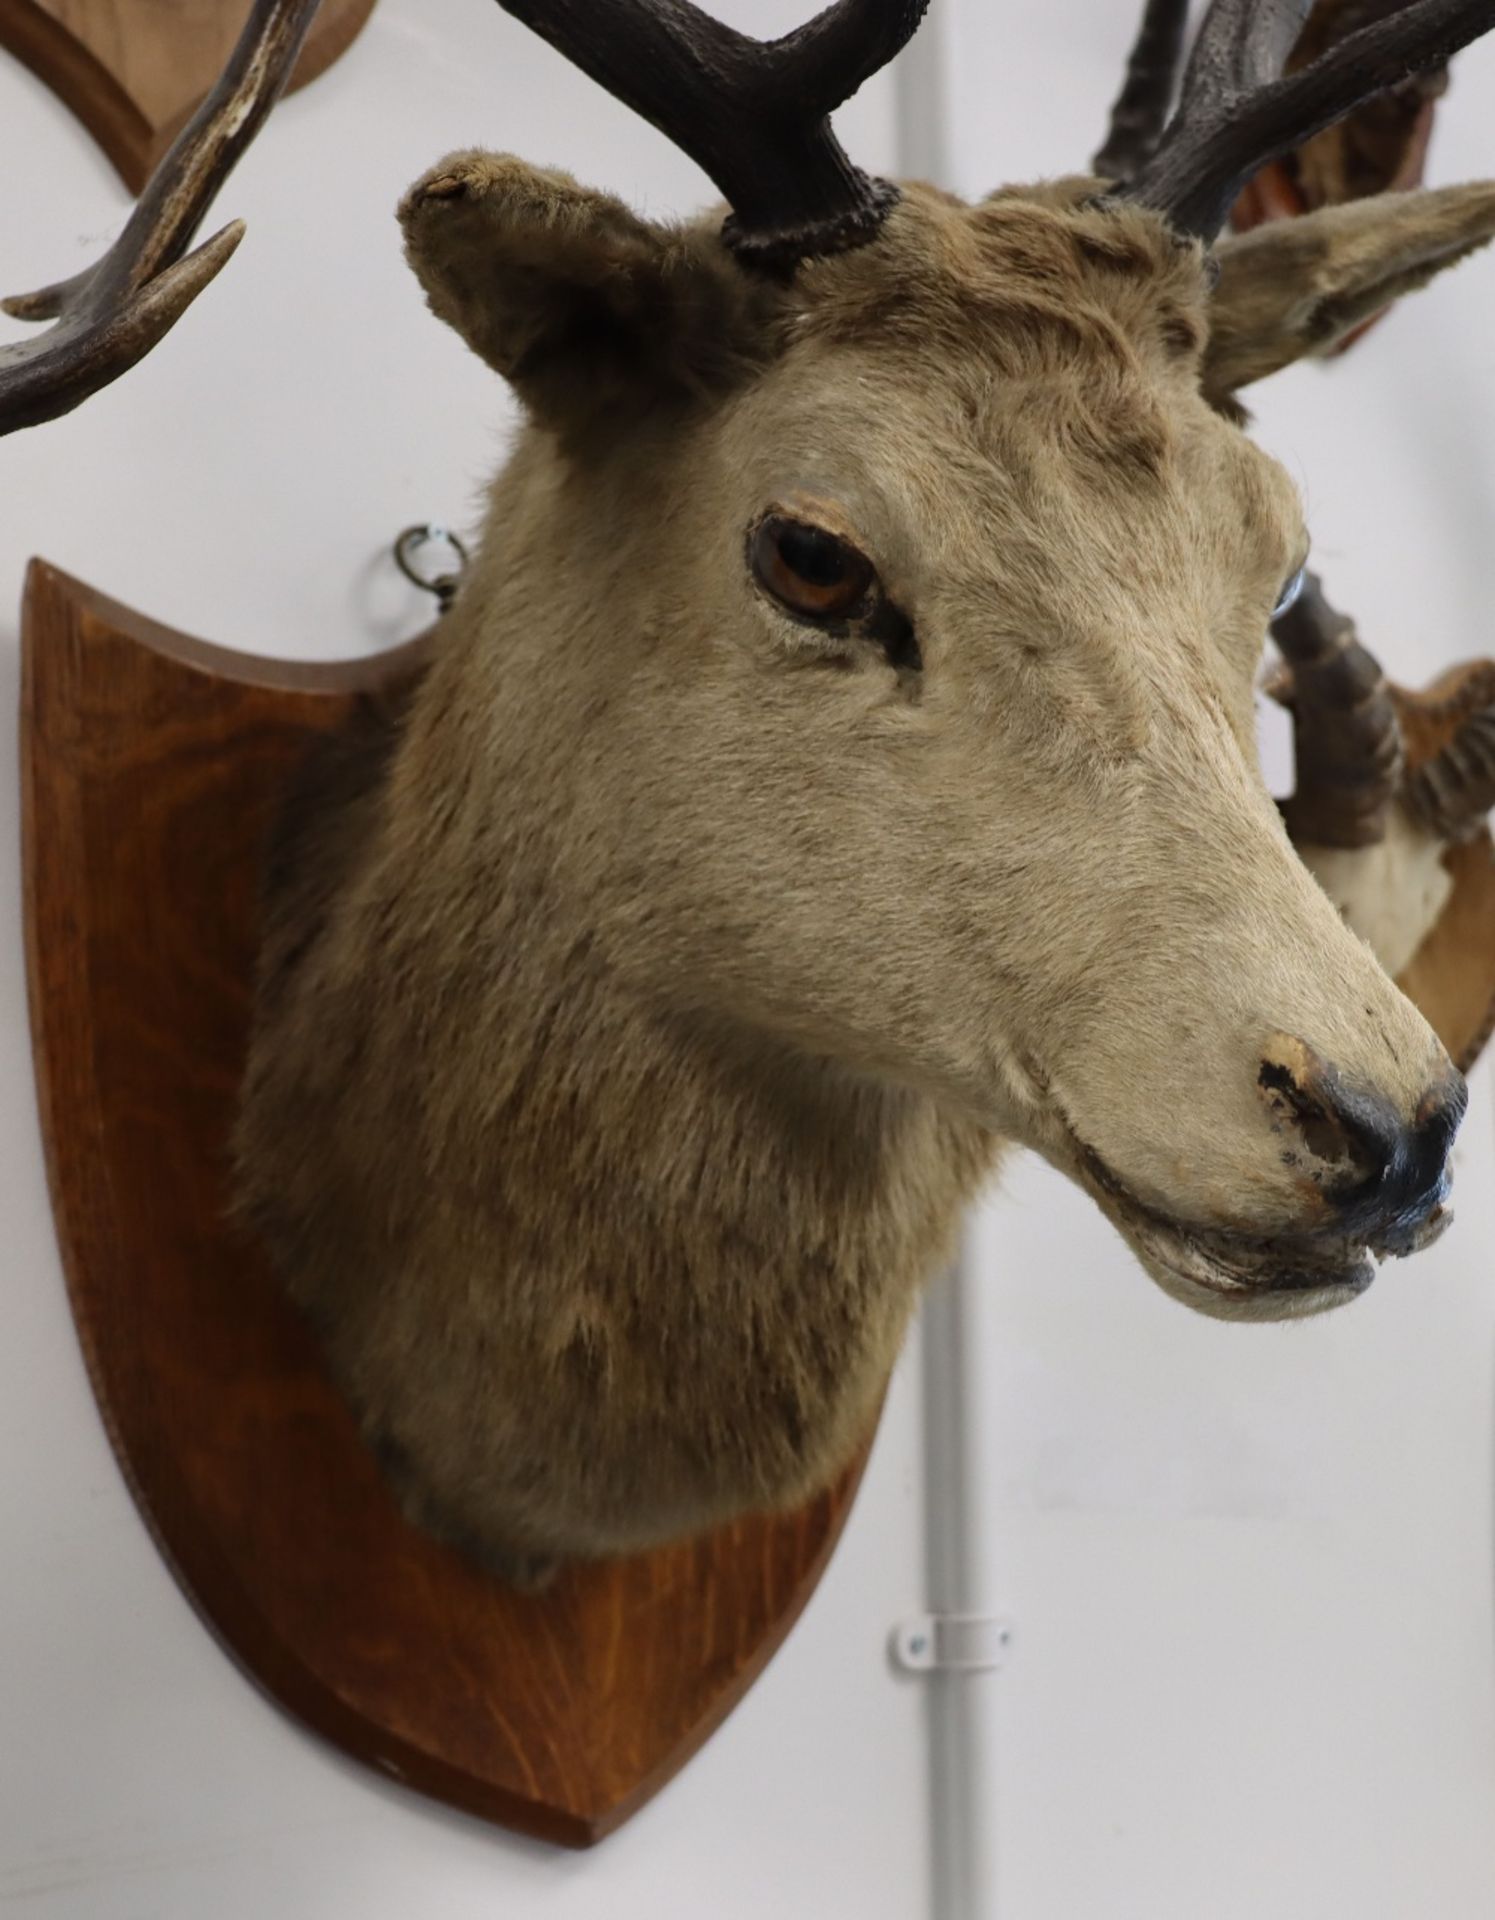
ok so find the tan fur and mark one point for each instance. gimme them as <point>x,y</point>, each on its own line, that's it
<point>627,1052</point>
<point>1296,287</point>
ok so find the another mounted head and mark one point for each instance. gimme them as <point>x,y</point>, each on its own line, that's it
<point>901,606</point>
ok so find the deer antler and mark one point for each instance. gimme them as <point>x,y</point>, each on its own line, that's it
<point>753,114</point>
<point>1239,108</point>
<point>1141,109</point>
<point>1345,730</point>
<point>111,315</point>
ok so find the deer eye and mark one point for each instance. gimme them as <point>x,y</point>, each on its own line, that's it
<point>815,574</point>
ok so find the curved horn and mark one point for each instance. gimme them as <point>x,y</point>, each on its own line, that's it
<point>1239,108</point>
<point>753,114</point>
<point>113,313</point>
<point>1347,739</point>
<point>1454,791</point>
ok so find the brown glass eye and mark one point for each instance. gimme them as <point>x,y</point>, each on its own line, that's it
<point>813,573</point>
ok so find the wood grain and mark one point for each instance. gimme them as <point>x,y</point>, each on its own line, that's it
<point>134,71</point>
<point>150,766</point>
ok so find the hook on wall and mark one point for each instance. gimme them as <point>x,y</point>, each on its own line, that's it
<point>411,552</point>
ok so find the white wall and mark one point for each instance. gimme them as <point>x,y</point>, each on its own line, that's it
<point>1250,1567</point>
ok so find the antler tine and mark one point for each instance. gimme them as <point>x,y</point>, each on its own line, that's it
<point>1238,109</point>
<point>752,113</point>
<point>111,315</point>
<point>1345,729</point>
<point>1141,109</point>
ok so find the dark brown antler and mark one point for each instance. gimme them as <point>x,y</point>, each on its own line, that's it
<point>1346,735</point>
<point>754,114</point>
<point>1142,106</point>
<point>1381,146</point>
<point>1239,108</point>
<point>113,314</point>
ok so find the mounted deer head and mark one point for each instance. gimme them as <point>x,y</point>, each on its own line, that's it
<point>839,764</point>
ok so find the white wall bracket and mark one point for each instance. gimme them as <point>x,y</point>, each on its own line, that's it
<point>951,1642</point>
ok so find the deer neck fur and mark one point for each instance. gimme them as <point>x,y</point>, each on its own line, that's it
<point>486,1157</point>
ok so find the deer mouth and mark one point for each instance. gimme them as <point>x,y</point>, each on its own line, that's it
<point>1232,1275</point>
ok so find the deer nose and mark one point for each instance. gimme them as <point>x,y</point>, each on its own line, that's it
<point>1384,1178</point>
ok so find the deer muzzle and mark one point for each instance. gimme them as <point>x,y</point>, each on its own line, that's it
<point>1359,1177</point>
<point>1367,1173</point>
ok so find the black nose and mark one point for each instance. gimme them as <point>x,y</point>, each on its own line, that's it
<point>1383,1178</point>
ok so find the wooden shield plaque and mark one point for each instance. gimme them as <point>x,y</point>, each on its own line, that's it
<point>150,766</point>
<point>135,71</point>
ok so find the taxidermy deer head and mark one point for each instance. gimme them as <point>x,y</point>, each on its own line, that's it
<point>840,764</point>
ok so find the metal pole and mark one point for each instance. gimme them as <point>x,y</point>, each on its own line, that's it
<point>921,102</point>
<point>961,1703</point>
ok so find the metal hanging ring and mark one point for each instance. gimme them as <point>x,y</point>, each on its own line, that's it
<point>412,542</point>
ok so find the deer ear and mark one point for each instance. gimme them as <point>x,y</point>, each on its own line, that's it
<point>579,304</point>
<point>1295,287</point>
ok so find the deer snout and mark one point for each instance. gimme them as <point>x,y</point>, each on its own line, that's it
<point>1375,1175</point>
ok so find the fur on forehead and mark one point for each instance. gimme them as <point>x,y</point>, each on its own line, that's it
<point>1032,280</point>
